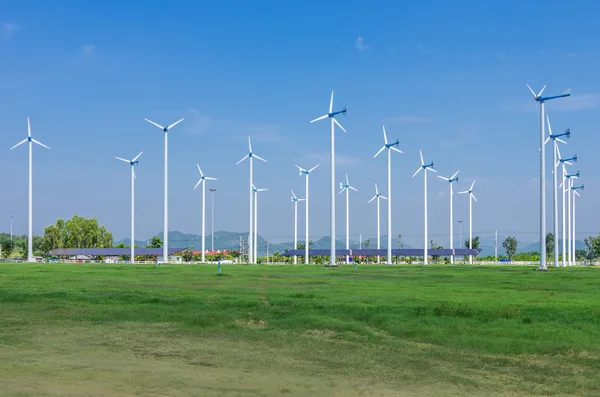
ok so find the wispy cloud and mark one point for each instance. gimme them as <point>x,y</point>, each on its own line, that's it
<point>8,29</point>
<point>409,119</point>
<point>360,44</point>
<point>198,123</point>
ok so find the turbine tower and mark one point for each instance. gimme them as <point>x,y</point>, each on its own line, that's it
<point>331,115</point>
<point>379,196</point>
<point>453,178</point>
<point>425,167</point>
<point>575,193</point>
<point>471,198</point>
<point>567,188</point>
<point>555,140</point>
<point>250,156</point>
<point>255,191</point>
<point>295,201</point>
<point>542,100</point>
<point>389,146</point>
<point>202,181</point>
<point>166,188</point>
<point>564,161</point>
<point>31,141</point>
<point>346,187</point>
<point>306,244</point>
<point>133,163</point>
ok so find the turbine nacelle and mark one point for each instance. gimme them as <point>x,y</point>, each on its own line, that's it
<point>538,97</point>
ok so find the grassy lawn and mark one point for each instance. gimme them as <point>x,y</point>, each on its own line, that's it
<point>180,330</point>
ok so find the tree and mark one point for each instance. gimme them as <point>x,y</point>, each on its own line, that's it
<point>475,243</point>
<point>549,244</point>
<point>399,241</point>
<point>434,246</point>
<point>156,242</point>
<point>77,232</point>
<point>187,255</point>
<point>367,242</point>
<point>510,245</point>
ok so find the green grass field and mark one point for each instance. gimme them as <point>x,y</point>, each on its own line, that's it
<point>180,330</point>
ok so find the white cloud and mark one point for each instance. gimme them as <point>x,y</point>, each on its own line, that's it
<point>360,44</point>
<point>8,29</point>
<point>409,119</point>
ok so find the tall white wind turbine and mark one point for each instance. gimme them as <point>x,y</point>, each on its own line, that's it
<point>555,139</point>
<point>295,201</point>
<point>471,198</point>
<point>346,187</point>
<point>132,163</point>
<point>425,167</point>
<point>331,115</point>
<point>202,180</point>
<point>564,162</point>
<point>166,187</point>
<point>567,189</point>
<point>255,245</point>
<point>250,156</point>
<point>306,244</point>
<point>379,196</point>
<point>542,100</point>
<point>575,193</point>
<point>453,178</point>
<point>31,141</point>
<point>389,146</point>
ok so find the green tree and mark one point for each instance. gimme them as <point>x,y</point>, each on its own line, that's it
<point>77,232</point>
<point>475,243</point>
<point>549,245</point>
<point>367,242</point>
<point>510,245</point>
<point>399,241</point>
<point>156,242</point>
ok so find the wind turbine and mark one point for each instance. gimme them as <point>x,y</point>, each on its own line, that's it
<point>133,163</point>
<point>306,244</point>
<point>31,141</point>
<point>346,187</point>
<point>295,201</point>
<point>389,146</point>
<point>255,191</point>
<point>575,193</point>
<point>471,198</point>
<point>542,100</point>
<point>250,156</point>
<point>379,196</point>
<point>331,115</point>
<point>555,140</point>
<point>166,199</point>
<point>567,187</point>
<point>203,180</point>
<point>425,167</point>
<point>564,161</point>
<point>453,178</point>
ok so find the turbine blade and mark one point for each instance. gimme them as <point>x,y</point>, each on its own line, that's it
<point>374,197</point>
<point>199,170</point>
<point>339,125</point>
<point>320,118</point>
<point>384,136</point>
<point>199,182</point>
<point>313,168</point>
<point>418,170</point>
<point>383,197</point>
<point>463,192</point>
<point>19,144</point>
<point>158,125</point>
<point>396,150</point>
<point>455,174</point>
<point>561,141</point>
<point>175,123</point>
<point>138,156</point>
<point>472,184</point>
<point>353,188</point>
<point>558,151</point>
<point>28,127</point>
<point>568,163</point>
<point>430,169</point>
<point>347,182</point>
<point>331,103</point>
<point>243,158</point>
<point>210,178</point>
<point>474,198</point>
<point>249,145</point>
<point>122,159</point>
<point>379,152</point>
<point>39,143</point>
<point>549,127</point>
<point>532,93</point>
<point>443,177</point>
<point>421,154</point>
<point>301,199</point>
<point>542,90</point>
<point>294,195</point>
<point>341,191</point>
<point>546,141</point>
<point>259,158</point>
<point>376,189</point>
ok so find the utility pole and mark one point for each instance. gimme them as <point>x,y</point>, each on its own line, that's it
<point>11,234</point>
<point>460,228</point>
<point>496,247</point>
<point>360,241</point>
<point>267,252</point>
<point>212,219</point>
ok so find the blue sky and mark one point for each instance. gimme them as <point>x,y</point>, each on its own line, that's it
<point>447,78</point>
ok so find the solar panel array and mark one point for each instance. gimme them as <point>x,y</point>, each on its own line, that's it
<point>383,252</point>
<point>111,251</point>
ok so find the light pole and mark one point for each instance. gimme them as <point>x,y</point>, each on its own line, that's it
<point>460,235</point>
<point>212,220</point>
